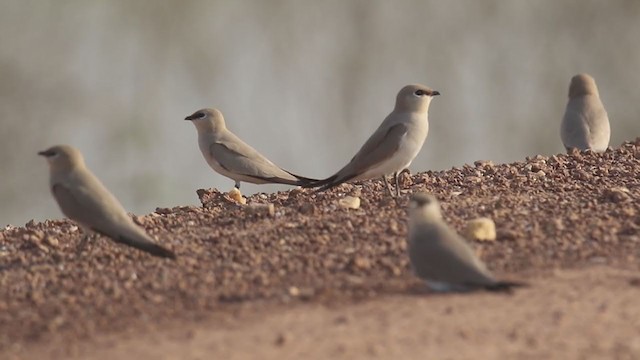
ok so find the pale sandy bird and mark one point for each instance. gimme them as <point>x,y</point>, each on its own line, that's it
<point>83,199</point>
<point>232,157</point>
<point>395,143</point>
<point>585,124</point>
<point>440,256</point>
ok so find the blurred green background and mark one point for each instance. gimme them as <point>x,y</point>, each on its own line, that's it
<point>304,82</point>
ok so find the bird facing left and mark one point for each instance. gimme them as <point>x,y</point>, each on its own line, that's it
<point>85,200</point>
<point>229,156</point>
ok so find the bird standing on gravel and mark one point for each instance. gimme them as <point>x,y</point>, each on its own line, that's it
<point>395,143</point>
<point>232,157</point>
<point>585,124</point>
<point>83,199</point>
<point>440,256</point>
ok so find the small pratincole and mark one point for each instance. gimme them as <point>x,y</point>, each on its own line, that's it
<point>232,157</point>
<point>395,143</point>
<point>585,125</point>
<point>440,256</point>
<point>83,199</point>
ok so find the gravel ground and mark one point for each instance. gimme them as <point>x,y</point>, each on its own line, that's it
<point>244,268</point>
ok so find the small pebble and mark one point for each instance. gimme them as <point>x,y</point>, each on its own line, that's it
<point>483,229</point>
<point>349,202</point>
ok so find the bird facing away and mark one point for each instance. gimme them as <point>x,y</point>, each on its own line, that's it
<point>440,256</point>
<point>83,199</point>
<point>232,157</point>
<point>395,143</point>
<point>585,124</point>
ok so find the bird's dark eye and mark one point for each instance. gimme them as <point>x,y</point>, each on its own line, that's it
<point>420,92</point>
<point>200,115</point>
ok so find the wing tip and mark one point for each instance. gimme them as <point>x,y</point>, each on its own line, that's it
<point>149,247</point>
<point>159,251</point>
<point>301,180</point>
<point>164,253</point>
<point>324,184</point>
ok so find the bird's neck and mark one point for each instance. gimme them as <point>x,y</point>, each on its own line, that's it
<point>206,128</point>
<point>421,108</point>
<point>426,215</point>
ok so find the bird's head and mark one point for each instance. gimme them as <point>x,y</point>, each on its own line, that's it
<point>207,120</point>
<point>582,84</point>
<point>62,157</point>
<point>423,206</point>
<point>415,97</point>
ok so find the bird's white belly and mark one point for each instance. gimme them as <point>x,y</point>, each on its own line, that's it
<point>443,287</point>
<point>439,286</point>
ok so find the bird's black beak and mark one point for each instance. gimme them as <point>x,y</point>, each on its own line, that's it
<point>435,93</point>
<point>190,117</point>
<point>45,153</point>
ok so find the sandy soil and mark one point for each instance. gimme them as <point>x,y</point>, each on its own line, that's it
<point>314,280</point>
<point>590,313</point>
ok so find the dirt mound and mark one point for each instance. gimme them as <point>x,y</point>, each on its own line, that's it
<point>551,212</point>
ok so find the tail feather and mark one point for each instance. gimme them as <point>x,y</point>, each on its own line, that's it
<point>327,183</point>
<point>147,246</point>
<point>505,286</point>
<point>302,181</point>
<point>334,181</point>
<point>137,239</point>
<point>318,183</point>
<point>299,180</point>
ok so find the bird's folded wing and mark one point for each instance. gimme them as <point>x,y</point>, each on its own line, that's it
<point>454,248</point>
<point>575,128</point>
<point>381,146</point>
<point>87,207</point>
<point>101,212</point>
<point>244,160</point>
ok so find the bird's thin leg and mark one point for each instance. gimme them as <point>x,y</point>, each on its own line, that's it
<point>237,186</point>
<point>395,177</point>
<point>386,183</point>
<point>82,246</point>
